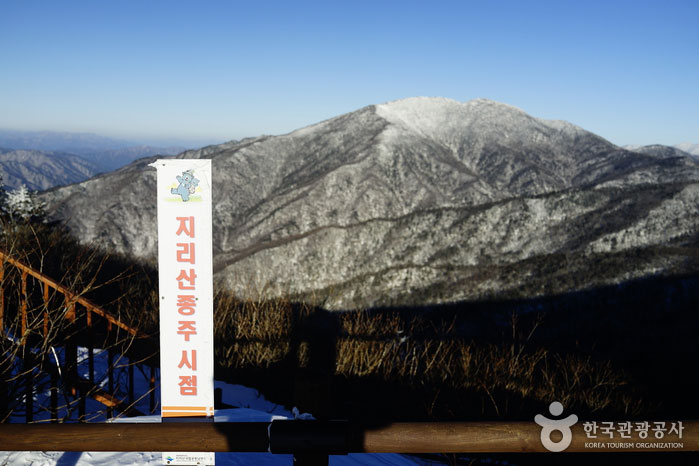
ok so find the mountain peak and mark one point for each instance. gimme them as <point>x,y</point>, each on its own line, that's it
<point>428,102</point>
<point>438,115</point>
<point>432,105</point>
<point>416,201</point>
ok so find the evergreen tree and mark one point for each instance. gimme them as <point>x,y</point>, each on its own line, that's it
<point>22,204</point>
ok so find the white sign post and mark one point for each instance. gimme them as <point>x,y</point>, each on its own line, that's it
<point>186,296</point>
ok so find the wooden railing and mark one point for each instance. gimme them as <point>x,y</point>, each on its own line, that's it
<point>70,297</point>
<point>76,307</point>
<point>324,437</point>
<point>294,437</point>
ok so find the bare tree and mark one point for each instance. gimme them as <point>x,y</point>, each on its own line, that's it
<point>51,332</point>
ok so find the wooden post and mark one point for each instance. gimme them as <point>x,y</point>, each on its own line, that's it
<point>46,309</point>
<point>23,306</point>
<point>90,346</point>
<point>71,359</point>
<point>27,365</point>
<point>70,309</point>
<point>53,389</point>
<point>2,298</point>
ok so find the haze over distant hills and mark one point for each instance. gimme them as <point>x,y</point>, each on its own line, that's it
<point>689,147</point>
<point>44,159</point>
<point>39,170</point>
<point>112,159</point>
<point>662,150</point>
<point>53,140</point>
<point>418,201</point>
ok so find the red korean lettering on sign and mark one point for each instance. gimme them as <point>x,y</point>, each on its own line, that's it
<point>188,385</point>
<point>186,226</point>
<point>186,328</point>
<point>186,280</point>
<point>186,304</point>
<point>185,253</point>
<point>188,359</point>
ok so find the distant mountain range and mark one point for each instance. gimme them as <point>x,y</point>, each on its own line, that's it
<point>44,159</point>
<point>39,170</point>
<point>657,149</point>
<point>689,148</point>
<point>75,143</point>
<point>112,159</point>
<point>418,201</point>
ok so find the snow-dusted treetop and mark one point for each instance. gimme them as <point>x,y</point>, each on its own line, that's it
<point>21,203</point>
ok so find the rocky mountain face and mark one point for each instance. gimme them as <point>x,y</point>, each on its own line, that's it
<point>417,201</point>
<point>39,170</point>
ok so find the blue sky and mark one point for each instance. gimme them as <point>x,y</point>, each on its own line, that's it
<point>628,71</point>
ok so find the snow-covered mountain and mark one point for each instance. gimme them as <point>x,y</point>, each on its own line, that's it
<point>417,201</point>
<point>689,148</point>
<point>39,170</point>
<point>662,150</point>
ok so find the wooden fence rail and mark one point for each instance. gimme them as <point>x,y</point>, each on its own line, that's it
<point>423,437</point>
<point>76,307</point>
<point>278,436</point>
<point>70,297</point>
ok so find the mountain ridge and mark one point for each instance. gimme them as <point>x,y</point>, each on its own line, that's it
<point>40,170</point>
<point>106,153</point>
<point>356,194</point>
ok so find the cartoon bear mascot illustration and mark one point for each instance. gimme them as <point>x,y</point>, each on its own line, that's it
<point>188,185</point>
